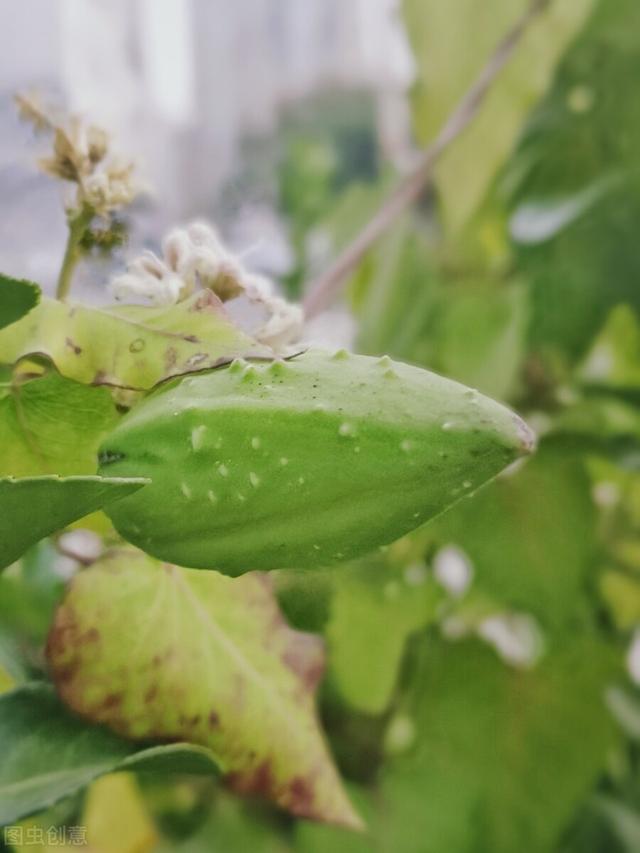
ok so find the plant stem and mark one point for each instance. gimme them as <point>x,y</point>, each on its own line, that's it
<point>410,188</point>
<point>78,222</point>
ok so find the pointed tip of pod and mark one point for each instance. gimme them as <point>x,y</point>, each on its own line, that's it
<point>528,440</point>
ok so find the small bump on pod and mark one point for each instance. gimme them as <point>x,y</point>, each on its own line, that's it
<point>341,355</point>
<point>278,368</point>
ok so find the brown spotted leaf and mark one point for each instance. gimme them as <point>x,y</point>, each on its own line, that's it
<point>156,651</point>
<point>130,346</point>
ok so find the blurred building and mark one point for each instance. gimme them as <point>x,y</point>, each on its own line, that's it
<point>182,83</point>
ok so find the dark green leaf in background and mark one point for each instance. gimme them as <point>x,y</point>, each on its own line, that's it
<point>47,753</point>
<point>33,507</point>
<point>17,298</point>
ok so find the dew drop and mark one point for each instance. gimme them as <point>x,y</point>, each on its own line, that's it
<point>301,480</point>
<point>186,491</point>
<point>241,497</point>
<point>212,497</point>
<point>346,429</point>
<point>448,425</point>
<point>316,547</point>
<point>415,574</point>
<point>467,484</point>
<point>223,470</point>
<point>197,436</point>
<point>255,442</point>
<point>284,461</point>
<point>254,479</point>
<point>356,449</point>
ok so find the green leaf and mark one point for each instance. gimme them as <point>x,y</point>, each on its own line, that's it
<point>52,425</point>
<point>130,346</point>
<point>467,31</point>
<point>156,651</point>
<point>499,755</point>
<point>395,296</point>
<point>614,357</point>
<point>232,827</point>
<point>530,535</point>
<point>17,298</point>
<point>34,507</point>
<point>29,593</point>
<point>481,338</point>
<point>581,145</point>
<point>374,610</point>
<point>48,754</point>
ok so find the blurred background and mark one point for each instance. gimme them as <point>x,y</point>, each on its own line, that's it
<point>483,684</point>
<point>217,105</point>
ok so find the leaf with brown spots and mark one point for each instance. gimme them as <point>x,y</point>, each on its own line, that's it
<point>156,651</point>
<point>131,346</point>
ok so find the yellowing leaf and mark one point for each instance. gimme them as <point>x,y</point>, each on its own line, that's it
<point>451,42</point>
<point>114,800</point>
<point>156,651</point>
<point>131,346</point>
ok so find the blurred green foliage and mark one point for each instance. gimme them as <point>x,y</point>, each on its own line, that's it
<point>478,694</point>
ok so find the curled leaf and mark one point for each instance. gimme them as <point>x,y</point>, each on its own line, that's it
<point>129,346</point>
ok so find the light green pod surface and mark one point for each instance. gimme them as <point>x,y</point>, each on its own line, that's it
<point>303,462</point>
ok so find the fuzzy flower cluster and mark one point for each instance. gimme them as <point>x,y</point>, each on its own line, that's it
<point>82,155</point>
<point>195,257</point>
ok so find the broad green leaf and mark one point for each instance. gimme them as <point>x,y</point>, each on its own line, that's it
<point>374,610</point>
<point>48,753</point>
<point>614,357</point>
<point>52,425</point>
<point>530,535</point>
<point>499,755</point>
<point>33,507</point>
<point>231,826</point>
<point>621,595</point>
<point>156,651</point>
<point>395,296</point>
<point>129,346</point>
<point>581,144</point>
<point>451,43</point>
<point>17,298</point>
<point>481,338</point>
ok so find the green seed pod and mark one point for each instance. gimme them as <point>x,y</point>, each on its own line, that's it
<point>303,462</point>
